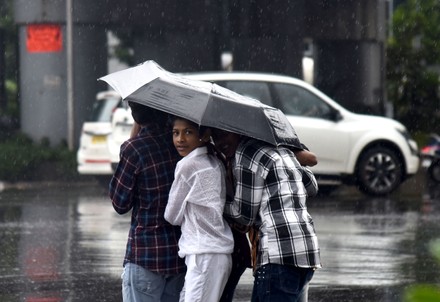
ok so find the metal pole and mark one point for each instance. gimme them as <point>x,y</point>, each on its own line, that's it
<point>69,58</point>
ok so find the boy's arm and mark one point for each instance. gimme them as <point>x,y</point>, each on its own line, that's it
<point>123,181</point>
<point>176,205</point>
<point>309,182</point>
<point>308,158</point>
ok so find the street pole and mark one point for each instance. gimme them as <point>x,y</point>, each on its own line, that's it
<point>69,58</point>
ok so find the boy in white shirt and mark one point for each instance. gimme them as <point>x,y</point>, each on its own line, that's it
<point>196,202</point>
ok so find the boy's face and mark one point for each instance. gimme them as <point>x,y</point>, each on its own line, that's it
<point>186,137</point>
<point>226,142</point>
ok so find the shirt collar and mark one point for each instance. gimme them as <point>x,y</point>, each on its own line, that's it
<point>197,151</point>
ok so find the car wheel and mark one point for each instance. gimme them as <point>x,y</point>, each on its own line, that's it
<point>379,171</point>
<point>434,171</point>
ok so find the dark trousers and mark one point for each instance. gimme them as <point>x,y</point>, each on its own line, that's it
<point>275,282</point>
<point>241,259</point>
<point>234,278</point>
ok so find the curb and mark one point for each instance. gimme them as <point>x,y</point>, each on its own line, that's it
<point>22,185</point>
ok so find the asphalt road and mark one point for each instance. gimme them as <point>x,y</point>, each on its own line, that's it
<point>64,242</point>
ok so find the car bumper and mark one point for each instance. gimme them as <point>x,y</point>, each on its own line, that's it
<point>413,164</point>
<point>95,169</point>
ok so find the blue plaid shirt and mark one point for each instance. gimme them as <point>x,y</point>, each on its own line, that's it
<point>271,192</point>
<point>141,183</point>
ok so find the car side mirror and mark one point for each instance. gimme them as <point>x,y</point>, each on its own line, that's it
<point>335,115</point>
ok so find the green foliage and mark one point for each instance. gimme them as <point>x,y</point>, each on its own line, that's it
<point>413,58</point>
<point>434,248</point>
<point>425,292</point>
<point>422,293</point>
<point>124,50</point>
<point>7,25</point>
<point>8,29</point>
<point>21,159</point>
<point>12,108</point>
<point>66,159</point>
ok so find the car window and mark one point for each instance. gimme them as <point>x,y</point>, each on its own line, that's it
<point>102,109</point>
<point>295,100</point>
<point>256,90</point>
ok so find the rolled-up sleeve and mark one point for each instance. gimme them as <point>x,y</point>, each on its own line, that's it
<point>309,181</point>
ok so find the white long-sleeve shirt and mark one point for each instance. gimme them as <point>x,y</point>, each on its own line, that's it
<point>196,203</point>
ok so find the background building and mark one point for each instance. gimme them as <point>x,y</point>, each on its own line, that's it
<point>64,48</point>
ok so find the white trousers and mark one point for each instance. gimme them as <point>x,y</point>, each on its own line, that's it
<point>206,277</point>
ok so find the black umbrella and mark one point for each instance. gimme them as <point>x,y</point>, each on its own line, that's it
<point>203,103</point>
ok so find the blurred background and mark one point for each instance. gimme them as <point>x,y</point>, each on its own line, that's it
<point>375,56</point>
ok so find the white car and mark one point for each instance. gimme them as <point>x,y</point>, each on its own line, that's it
<point>121,124</point>
<point>374,153</point>
<point>93,156</point>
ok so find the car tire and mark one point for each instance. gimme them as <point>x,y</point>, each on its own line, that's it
<point>379,171</point>
<point>434,171</point>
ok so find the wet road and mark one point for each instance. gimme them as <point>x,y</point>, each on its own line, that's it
<point>65,243</point>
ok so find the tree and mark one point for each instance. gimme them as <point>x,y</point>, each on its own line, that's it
<point>413,61</point>
<point>9,71</point>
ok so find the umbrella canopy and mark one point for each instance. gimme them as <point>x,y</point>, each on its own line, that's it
<point>202,102</point>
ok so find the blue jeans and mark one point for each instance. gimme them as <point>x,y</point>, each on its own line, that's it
<point>275,282</point>
<point>141,285</point>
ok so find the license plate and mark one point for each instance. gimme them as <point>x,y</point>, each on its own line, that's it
<point>99,139</point>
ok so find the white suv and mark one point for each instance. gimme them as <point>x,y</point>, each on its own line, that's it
<point>374,153</point>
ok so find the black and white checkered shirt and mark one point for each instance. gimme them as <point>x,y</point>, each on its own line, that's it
<point>271,192</point>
